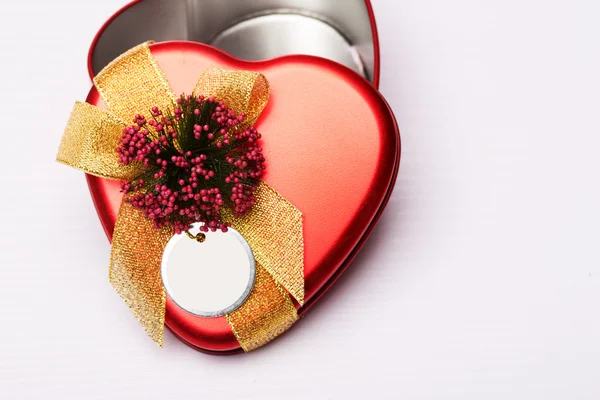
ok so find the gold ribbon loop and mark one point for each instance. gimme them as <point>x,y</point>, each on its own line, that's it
<point>243,91</point>
<point>89,144</point>
<point>134,83</point>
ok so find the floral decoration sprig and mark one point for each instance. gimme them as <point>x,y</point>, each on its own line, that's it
<point>196,160</point>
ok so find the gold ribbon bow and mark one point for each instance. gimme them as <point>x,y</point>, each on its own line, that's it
<point>132,84</point>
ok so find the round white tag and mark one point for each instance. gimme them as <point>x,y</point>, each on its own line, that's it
<point>211,278</point>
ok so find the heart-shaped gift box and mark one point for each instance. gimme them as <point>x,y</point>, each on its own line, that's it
<point>332,147</point>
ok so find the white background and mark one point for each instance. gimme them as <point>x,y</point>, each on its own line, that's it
<point>482,280</point>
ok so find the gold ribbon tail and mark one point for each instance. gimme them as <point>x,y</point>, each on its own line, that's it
<point>134,272</point>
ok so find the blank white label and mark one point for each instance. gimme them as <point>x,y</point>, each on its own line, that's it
<point>208,279</point>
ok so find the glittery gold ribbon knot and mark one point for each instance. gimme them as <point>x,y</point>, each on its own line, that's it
<point>132,84</point>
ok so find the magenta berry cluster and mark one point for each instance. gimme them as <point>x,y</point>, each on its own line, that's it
<point>197,159</point>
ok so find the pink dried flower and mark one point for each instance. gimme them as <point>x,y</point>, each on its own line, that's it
<point>196,161</point>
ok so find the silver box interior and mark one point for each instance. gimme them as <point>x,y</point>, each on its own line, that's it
<point>248,29</point>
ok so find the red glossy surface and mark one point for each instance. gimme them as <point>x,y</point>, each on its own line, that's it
<point>332,149</point>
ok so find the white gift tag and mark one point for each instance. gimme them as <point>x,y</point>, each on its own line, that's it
<point>211,278</point>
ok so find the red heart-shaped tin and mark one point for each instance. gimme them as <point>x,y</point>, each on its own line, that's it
<point>332,148</point>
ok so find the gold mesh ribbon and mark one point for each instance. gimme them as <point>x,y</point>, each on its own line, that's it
<point>133,84</point>
<point>136,254</point>
<point>266,314</point>
<point>243,91</point>
<point>89,143</point>
<point>272,219</point>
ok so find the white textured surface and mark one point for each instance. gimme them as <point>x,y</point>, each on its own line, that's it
<point>481,282</point>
